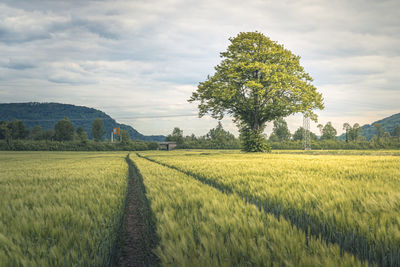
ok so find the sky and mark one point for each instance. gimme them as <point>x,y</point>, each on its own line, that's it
<point>140,61</point>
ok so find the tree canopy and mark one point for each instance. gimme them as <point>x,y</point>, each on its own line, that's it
<point>280,132</point>
<point>257,82</point>
<point>64,130</point>
<point>98,129</point>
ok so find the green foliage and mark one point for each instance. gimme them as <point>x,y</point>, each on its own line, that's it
<point>45,145</point>
<point>125,138</point>
<point>176,136</point>
<point>98,129</point>
<point>280,132</point>
<point>82,135</point>
<point>388,124</point>
<point>220,138</point>
<point>64,130</point>
<point>60,209</point>
<point>253,141</point>
<point>299,135</point>
<point>37,133</point>
<point>18,130</point>
<point>257,81</point>
<point>46,115</point>
<point>328,132</point>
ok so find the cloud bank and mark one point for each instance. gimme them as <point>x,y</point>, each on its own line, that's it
<point>139,61</point>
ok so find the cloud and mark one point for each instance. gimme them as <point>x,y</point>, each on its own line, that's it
<point>141,59</point>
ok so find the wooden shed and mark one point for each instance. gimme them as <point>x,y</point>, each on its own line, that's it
<point>167,145</point>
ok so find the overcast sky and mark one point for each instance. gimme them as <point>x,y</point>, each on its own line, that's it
<point>139,61</point>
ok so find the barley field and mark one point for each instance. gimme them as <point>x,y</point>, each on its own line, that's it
<point>209,207</point>
<point>60,208</point>
<point>201,226</point>
<point>343,198</point>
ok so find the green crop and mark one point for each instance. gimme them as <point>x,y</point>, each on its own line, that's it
<point>350,200</point>
<point>200,226</point>
<point>60,208</point>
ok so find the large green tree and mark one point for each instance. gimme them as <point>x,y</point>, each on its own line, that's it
<point>257,82</point>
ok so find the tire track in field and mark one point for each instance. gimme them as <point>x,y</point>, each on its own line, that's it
<point>365,252</point>
<point>139,237</point>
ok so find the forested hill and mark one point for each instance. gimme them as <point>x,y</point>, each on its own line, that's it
<point>46,115</point>
<point>388,125</point>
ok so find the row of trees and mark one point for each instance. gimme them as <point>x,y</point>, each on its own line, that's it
<point>14,135</point>
<point>281,138</point>
<point>63,130</point>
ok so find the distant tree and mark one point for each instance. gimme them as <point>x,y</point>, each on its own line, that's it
<point>82,135</point>
<point>352,133</point>
<point>176,136</point>
<point>37,133</point>
<point>379,129</point>
<point>219,137</point>
<point>18,130</point>
<point>328,132</point>
<point>257,82</point>
<point>281,130</point>
<point>347,128</point>
<point>355,132</point>
<point>49,135</point>
<point>386,136</point>
<point>396,132</point>
<point>125,138</point>
<point>299,135</point>
<point>5,132</point>
<point>320,127</point>
<point>64,130</point>
<point>3,129</point>
<point>98,129</point>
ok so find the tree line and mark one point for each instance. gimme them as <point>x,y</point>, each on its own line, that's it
<point>282,138</point>
<point>14,135</point>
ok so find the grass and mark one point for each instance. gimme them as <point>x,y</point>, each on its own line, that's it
<point>348,199</point>
<point>201,226</point>
<point>60,208</point>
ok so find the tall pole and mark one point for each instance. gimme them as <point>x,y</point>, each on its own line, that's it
<point>306,133</point>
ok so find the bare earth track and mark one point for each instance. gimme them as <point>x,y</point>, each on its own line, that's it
<point>138,236</point>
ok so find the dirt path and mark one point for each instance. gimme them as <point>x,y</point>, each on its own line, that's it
<point>138,235</point>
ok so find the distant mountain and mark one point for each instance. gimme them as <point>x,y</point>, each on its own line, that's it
<point>46,115</point>
<point>388,125</point>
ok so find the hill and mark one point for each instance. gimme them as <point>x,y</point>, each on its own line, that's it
<point>388,125</point>
<point>46,115</point>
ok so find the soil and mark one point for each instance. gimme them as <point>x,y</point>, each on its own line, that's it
<point>139,238</point>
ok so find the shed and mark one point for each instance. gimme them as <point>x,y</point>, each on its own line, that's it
<point>167,145</point>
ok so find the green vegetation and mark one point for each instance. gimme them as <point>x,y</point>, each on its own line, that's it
<point>17,137</point>
<point>388,125</point>
<point>201,226</point>
<point>46,115</point>
<point>60,208</point>
<point>349,200</point>
<point>98,129</point>
<point>258,81</point>
<point>76,145</point>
